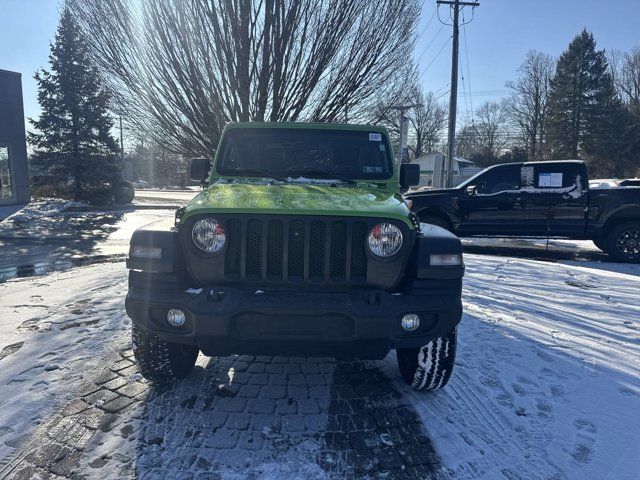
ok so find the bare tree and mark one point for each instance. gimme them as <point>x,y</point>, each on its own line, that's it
<point>628,81</point>
<point>527,104</point>
<point>491,122</point>
<point>182,69</point>
<point>427,123</point>
<point>467,142</point>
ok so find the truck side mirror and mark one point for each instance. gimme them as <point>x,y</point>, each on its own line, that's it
<point>409,175</point>
<point>472,190</point>
<point>199,169</point>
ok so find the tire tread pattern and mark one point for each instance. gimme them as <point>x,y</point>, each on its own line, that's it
<point>159,361</point>
<point>429,367</point>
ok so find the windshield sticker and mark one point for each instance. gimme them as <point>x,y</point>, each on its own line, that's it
<point>382,147</point>
<point>375,137</point>
<point>550,180</point>
<point>372,169</point>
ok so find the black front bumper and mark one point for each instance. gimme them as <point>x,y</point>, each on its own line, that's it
<point>362,323</point>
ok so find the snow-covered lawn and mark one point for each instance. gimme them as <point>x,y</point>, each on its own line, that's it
<point>56,331</point>
<point>547,381</point>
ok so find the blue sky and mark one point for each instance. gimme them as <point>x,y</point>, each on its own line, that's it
<point>501,33</point>
<point>497,39</point>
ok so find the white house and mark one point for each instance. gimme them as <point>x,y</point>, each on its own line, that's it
<point>432,167</point>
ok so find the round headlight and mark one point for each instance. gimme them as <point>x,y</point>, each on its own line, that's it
<point>385,239</point>
<point>208,235</point>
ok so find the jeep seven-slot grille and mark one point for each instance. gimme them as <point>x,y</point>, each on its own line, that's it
<point>315,250</point>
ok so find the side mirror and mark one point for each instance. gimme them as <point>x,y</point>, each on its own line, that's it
<point>199,169</point>
<point>409,175</point>
<point>472,190</point>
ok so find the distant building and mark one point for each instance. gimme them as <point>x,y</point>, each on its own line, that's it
<point>432,167</point>
<point>14,173</point>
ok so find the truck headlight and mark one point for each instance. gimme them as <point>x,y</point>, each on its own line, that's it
<point>446,260</point>
<point>385,239</point>
<point>208,235</point>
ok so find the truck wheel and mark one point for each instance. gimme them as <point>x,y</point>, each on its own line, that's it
<point>160,361</point>
<point>428,367</point>
<point>437,221</point>
<point>623,242</point>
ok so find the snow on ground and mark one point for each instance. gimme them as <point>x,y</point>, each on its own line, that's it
<point>56,331</point>
<point>547,374</point>
<point>546,383</point>
<point>36,210</point>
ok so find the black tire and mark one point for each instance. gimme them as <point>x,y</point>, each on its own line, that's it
<point>622,243</point>
<point>428,367</point>
<point>159,361</point>
<point>600,243</point>
<point>436,220</point>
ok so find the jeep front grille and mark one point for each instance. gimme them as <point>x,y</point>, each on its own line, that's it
<point>295,250</point>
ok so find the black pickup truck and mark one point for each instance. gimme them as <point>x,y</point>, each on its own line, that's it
<point>545,199</point>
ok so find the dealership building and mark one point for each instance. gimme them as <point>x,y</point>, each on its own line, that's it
<point>14,172</point>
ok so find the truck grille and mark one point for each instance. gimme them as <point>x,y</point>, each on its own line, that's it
<point>295,250</point>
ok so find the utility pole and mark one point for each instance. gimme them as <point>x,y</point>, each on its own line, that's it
<point>453,99</point>
<point>404,130</point>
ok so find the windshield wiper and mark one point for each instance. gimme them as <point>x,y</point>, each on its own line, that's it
<point>325,174</point>
<point>265,174</point>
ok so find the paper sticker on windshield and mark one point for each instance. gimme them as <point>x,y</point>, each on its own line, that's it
<point>375,137</point>
<point>550,180</point>
<point>366,169</point>
<point>382,147</point>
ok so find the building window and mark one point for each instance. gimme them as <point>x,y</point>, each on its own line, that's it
<point>6,191</point>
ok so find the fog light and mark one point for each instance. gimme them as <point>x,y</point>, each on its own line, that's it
<point>176,317</point>
<point>410,322</point>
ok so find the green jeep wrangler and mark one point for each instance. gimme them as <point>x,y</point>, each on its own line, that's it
<point>300,245</point>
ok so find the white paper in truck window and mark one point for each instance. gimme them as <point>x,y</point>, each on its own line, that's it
<point>550,180</point>
<point>375,137</point>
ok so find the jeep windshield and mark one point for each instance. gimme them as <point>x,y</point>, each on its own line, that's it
<point>341,155</point>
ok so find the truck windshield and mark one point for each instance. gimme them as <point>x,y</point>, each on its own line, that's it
<point>314,153</point>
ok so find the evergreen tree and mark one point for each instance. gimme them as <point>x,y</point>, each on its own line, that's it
<point>581,100</point>
<point>74,148</point>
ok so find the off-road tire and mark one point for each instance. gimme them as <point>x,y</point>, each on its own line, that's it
<point>622,242</point>
<point>159,361</point>
<point>428,367</point>
<point>600,243</point>
<point>437,221</point>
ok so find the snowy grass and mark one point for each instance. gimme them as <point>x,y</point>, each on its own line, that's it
<point>68,324</point>
<point>546,383</point>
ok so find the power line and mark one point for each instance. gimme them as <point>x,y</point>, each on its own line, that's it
<point>436,57</point>
<point>466,55</point>
<point>424,50</point>
<point>464,91</point>
<point>454,6</point>
<point>424,29</point>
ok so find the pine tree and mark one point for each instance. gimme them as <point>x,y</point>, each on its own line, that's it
<point>581,100</point>
<point>74,148</point>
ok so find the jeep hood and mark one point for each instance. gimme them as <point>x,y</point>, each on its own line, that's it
<point>299,199</point>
